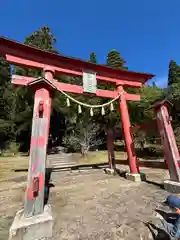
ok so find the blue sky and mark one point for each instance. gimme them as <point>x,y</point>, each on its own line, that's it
<point>146,32</point>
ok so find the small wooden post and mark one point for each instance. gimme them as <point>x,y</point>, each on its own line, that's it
<point>110,147</point>
<point>34,200</point>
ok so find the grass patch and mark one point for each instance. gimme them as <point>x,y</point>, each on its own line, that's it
<point>9,164</point>
<point>100,157</point>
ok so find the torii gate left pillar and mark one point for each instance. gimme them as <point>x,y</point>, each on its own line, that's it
<point>34,210</point>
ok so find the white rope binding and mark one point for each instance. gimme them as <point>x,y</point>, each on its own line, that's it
<point>89,105</point>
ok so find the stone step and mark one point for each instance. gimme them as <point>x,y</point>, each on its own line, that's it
<point>61,161</point>
<point>65,163</point>
<point>59,154</point>
<point>59,157</point>
<point>63,166</point>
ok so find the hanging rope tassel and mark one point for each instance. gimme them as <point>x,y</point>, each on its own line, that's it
<point>102,111</point>
<point>68,102</point>
<point>91,112</point>
<point>111,107</point>
<point>79,109</point>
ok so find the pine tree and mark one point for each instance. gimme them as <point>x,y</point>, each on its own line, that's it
<point>114,60</point>
<point>154,84</point>
<point>43,39</point>
<point>93,58</point>
<point>6,105</point>
<point>174,73</point>
<point>173,90</point>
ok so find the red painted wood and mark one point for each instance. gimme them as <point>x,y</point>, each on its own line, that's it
<point>41,141</point>
<point>40,131</point>
<point>24,55</point>
<point>49,75</point>
<point>41,181</point>
<point>127,132</point>
<point>19,80</point>
<point>168,140</point>
<point>30,194</point>
<point>28,63</point>
<point>34,167</point>
<point>132,97</point>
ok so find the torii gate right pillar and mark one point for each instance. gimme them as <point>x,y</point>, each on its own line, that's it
<point>171,153</point>
<point>126,125</point>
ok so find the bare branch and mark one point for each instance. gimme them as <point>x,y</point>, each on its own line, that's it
<point>84,137</point>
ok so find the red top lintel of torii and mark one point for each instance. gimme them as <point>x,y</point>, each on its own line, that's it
<point>26,56</point>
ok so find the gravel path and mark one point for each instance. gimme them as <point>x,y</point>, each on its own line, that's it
<point>92,205</point>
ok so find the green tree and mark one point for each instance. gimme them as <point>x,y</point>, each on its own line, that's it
<point>174,73</point>
<point>173,90</point>
<point>115,60</point>
<point>154,84</point>
<point>148,94</point>
<point>6,105</point>
<point>93,58</point>
<point>140,113</point>
<point>44,40</point>
<point>111,119</point>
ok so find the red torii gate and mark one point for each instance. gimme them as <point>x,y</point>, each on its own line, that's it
<point>52,65</point>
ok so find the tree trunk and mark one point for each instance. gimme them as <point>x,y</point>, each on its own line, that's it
<point>84,152</point>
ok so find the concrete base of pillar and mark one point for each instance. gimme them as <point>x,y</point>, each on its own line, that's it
<point>172,186</point>
<point>110,171</point>
<point>32,228</point>
<point>135,177</point>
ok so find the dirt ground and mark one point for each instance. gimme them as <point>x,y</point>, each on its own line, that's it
<point>91,205</point>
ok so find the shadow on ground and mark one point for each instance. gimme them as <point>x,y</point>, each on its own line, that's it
<point>159,235</point>
<point>122,173</point>
<point>76,167</point>
<point>48,184</point>
<point>145,163</point>
<point>169,217</point>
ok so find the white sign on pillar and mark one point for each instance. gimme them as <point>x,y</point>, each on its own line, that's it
<point>89,82</point>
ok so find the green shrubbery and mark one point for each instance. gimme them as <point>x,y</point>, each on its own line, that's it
<point>11,150</point>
